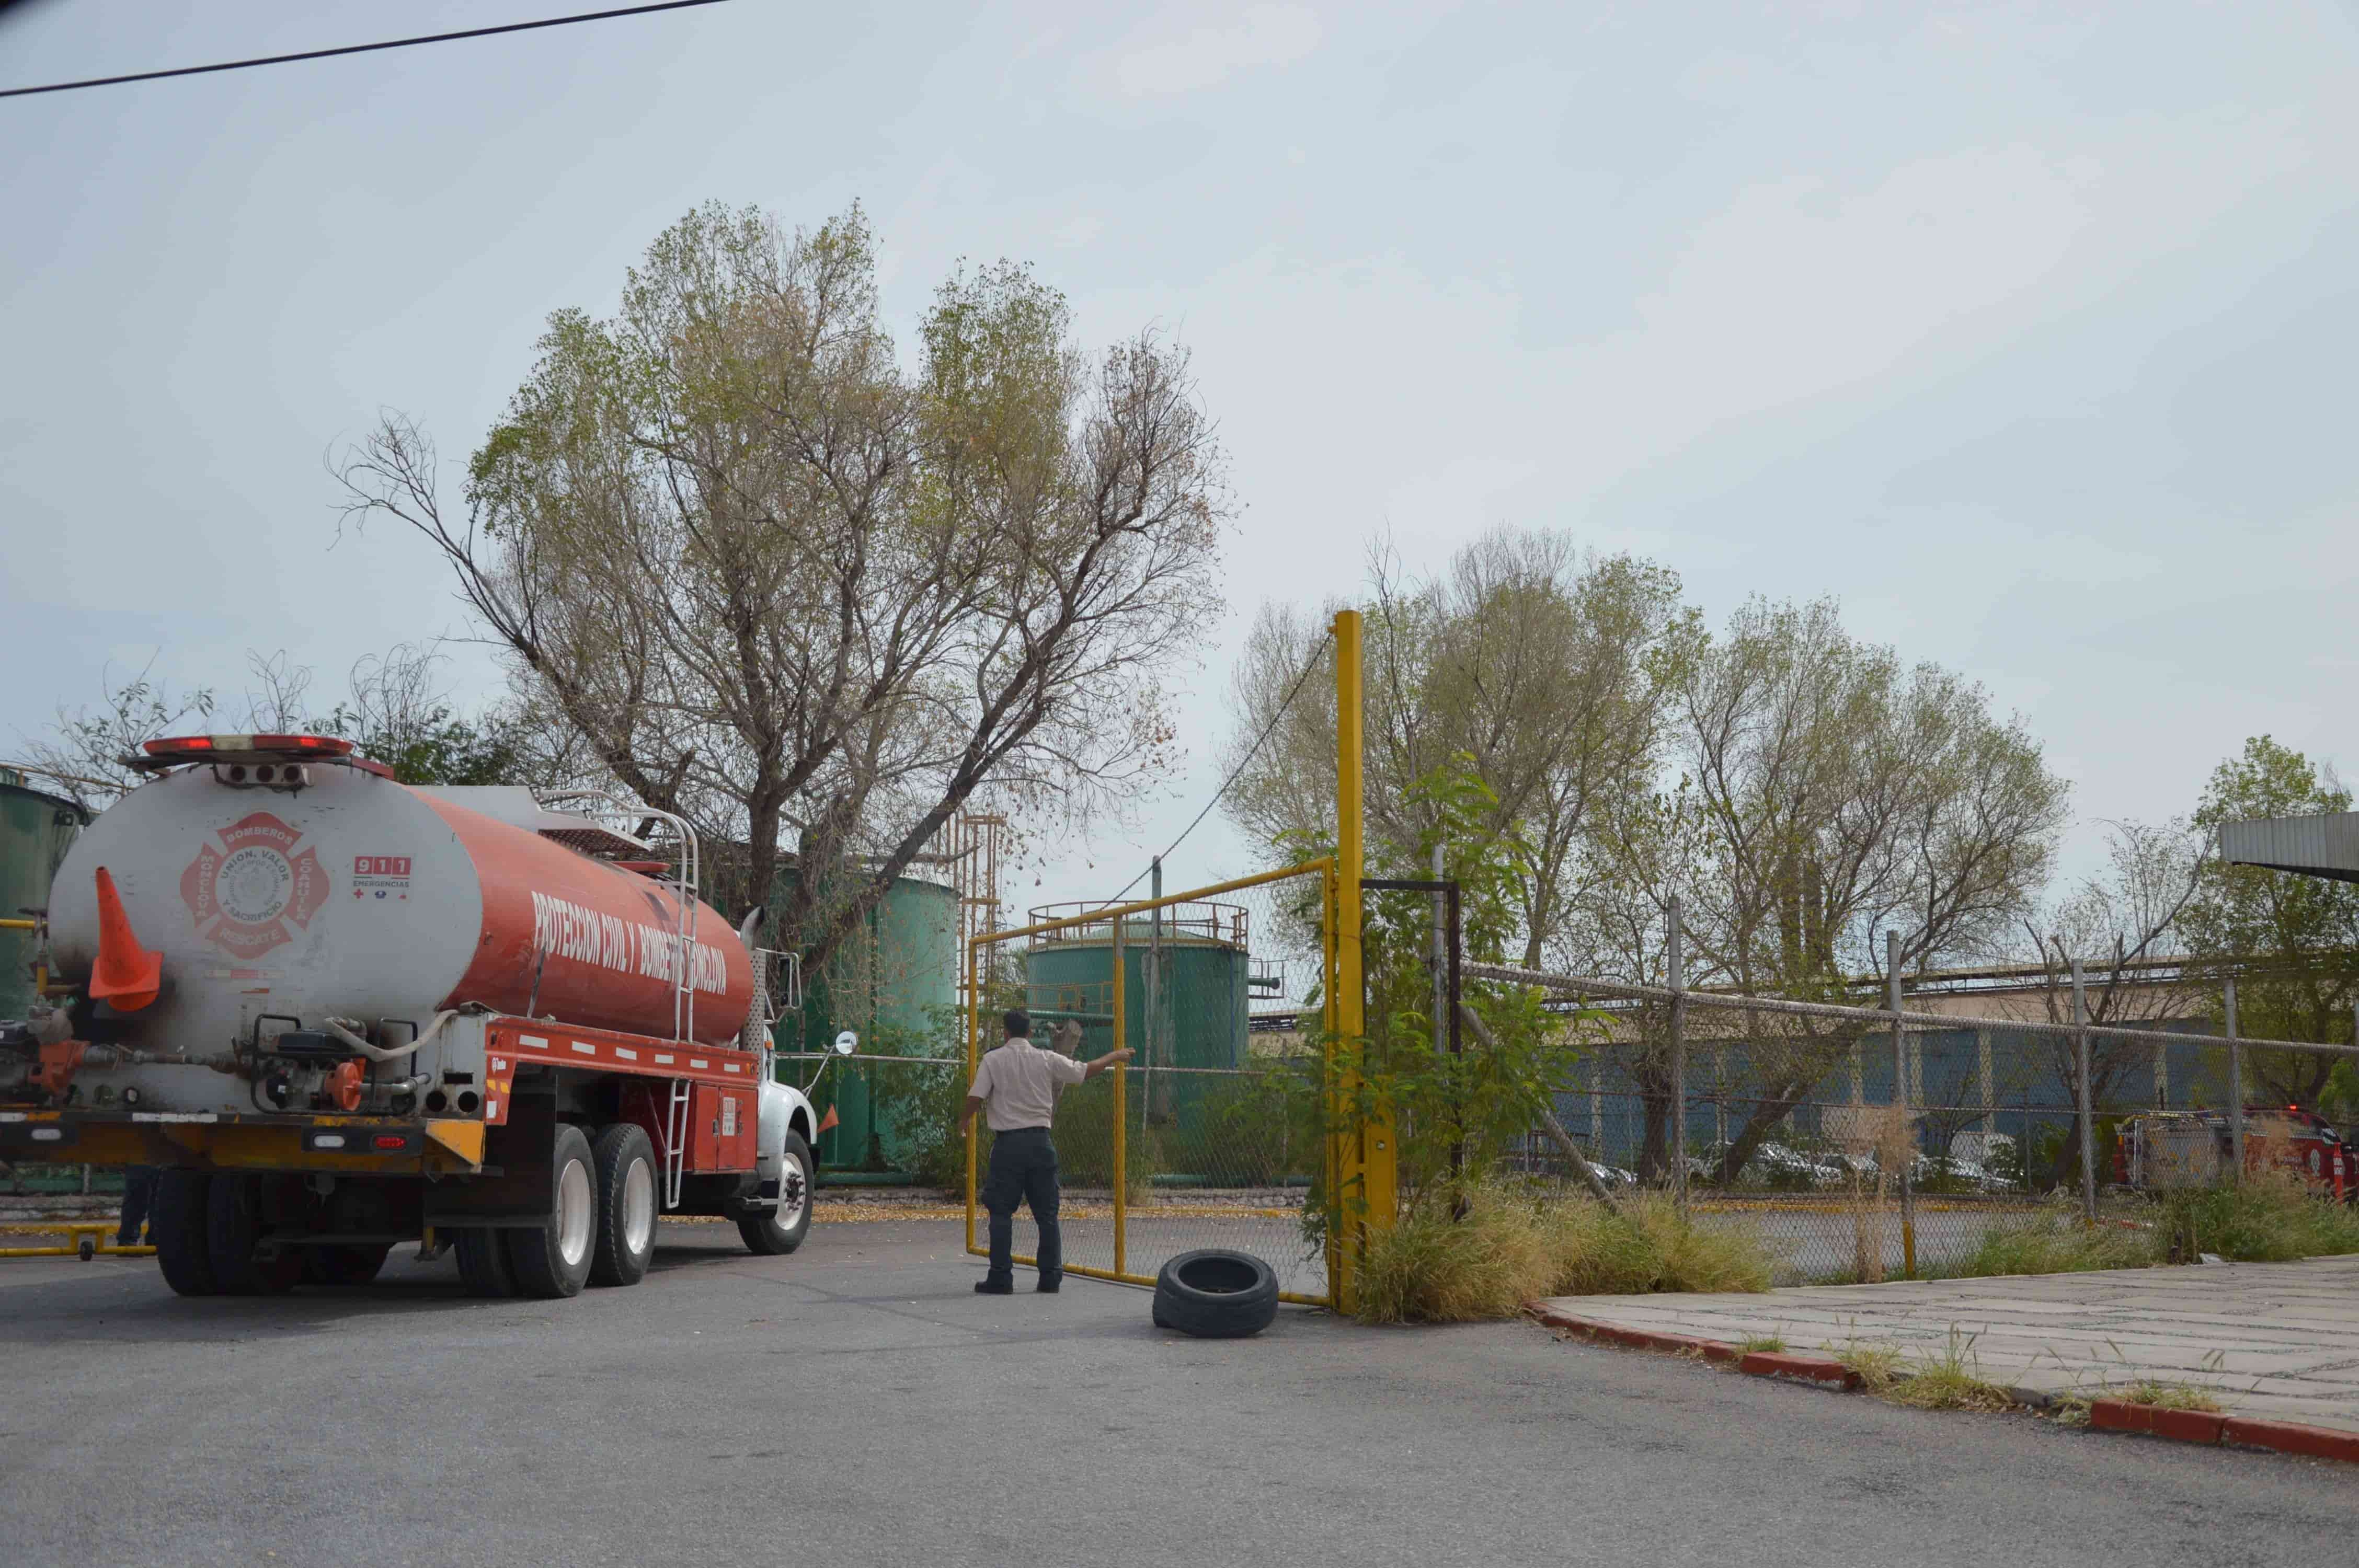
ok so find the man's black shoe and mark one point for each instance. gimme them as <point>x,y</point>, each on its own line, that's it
<point>994,1287</point>
<point>1050,1287</point>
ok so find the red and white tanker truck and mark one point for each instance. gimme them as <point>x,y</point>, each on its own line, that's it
<point>343,1012</point>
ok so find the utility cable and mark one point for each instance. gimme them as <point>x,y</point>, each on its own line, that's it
<point>1243,763</point>
<point>356,49</point>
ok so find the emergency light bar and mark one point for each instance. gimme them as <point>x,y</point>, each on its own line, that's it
<point>246,748</point>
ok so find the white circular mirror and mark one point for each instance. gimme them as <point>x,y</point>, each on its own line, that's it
<point>846,1043</point>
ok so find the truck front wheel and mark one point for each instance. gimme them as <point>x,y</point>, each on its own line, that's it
<point>773,1232</point>
<point>181,1220</point>
<point>553,1260</point>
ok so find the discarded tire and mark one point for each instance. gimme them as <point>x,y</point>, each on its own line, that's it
<point>1215,1294</point>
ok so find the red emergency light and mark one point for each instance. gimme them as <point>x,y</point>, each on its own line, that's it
<point>222,747</point>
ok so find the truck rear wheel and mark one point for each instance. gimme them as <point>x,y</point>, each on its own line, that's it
<point>234,1222</point>
<point>483,1262</point>
<point>553,1260</point>
<point>774,1232</point>
<point>626,1166</point>
<point>177,1223</point>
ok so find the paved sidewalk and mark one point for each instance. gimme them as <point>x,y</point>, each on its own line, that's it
<point>2278,1340</point>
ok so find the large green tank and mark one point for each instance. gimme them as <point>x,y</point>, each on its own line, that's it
<point>1198,1009</point>
<point>895,985</point>
<point>34,829</point>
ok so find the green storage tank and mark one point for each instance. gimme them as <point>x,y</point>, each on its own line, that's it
<point>34,829</point>
<point>1201,1006</point>
<point>894,984</point>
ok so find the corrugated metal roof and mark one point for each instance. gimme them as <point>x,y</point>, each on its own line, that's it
<point>2320,846</point>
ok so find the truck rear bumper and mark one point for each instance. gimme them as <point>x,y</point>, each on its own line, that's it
<point>349,1145</point>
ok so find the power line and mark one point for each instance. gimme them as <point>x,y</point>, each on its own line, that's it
<point>356,49</point>
<point>1243,763</point>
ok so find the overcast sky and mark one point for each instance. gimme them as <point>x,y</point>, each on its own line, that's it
<point>2028,333</point>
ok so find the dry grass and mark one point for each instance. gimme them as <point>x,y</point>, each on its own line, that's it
<point>1877,1367</point>
<point>1948,1379</point>
<point>1951,1379</point>
<point>2057,1240</point>
<point>2170,1396</point>
<point>1885,1134</point>
<point>1768,1342</point>
<point>1513,1245</point>
<point>2271,1217</point>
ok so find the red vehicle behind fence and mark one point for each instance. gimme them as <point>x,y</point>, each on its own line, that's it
<point>2163,1149</point>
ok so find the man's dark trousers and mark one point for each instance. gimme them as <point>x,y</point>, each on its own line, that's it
<point>1023,1169</point>
<point>138,1199</point>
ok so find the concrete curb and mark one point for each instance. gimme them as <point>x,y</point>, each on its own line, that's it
<point>1815,1369</point>
<point>2211,1428</point>
<point>2205,1427</point>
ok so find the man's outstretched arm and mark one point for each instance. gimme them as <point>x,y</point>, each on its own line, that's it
<point>1110,1059</point>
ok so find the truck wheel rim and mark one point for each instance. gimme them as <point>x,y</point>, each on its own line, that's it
<point>794,1195</point>
<point>638,1207</point>
<point>573,1206</point>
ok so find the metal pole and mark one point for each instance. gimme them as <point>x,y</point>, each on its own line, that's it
<point>2083,1093</point>
<point>1153,999</point>
<point>1120,1118</point>
<point>1454,1001</point>
<point>2235,1087</point>
<point>972,1058</point>
<point>1369,1160</point>
<point>1901,1100</point>
<point>1677,975</point>
<point>1440,1000</point>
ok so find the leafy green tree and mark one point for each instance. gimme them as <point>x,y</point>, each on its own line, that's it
<point>2293,941</point>
<point>1455,1114</point>
<point>1545,667</point>
<point>810,597</point>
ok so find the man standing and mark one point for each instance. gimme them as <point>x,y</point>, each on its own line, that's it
<point>138,1202</point>
<point>1017,1086</point>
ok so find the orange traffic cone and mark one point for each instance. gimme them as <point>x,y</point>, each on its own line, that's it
<point>127,975</point>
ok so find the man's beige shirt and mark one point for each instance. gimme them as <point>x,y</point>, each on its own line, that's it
<point>1018,1082</point>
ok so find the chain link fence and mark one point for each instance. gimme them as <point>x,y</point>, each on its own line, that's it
<point>31,1179</point>
<point>1860,1144</point>
<point>1211,1136</point>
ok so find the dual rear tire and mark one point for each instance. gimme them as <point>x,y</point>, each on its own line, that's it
<point>602,1224</point>
<point>206,1225</point>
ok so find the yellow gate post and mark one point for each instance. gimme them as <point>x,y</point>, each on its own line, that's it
<point>1121,1133</point>
<point>1364,1158</point>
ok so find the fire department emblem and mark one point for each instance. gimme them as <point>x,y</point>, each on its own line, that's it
<point>249,883</point>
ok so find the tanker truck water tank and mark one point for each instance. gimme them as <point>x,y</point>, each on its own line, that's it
<point>357,897</point>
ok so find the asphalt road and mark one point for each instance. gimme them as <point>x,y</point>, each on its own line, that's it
<point>857,1404</point>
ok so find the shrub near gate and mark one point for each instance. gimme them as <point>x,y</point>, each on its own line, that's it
<point>1482,1254</point>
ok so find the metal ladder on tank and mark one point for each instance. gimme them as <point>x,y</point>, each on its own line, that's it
<point>686,879</point>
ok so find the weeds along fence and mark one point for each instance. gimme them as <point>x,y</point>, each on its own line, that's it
<point>1862,1143</point>
<point>1212,1135</point>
